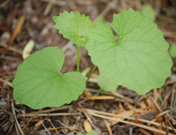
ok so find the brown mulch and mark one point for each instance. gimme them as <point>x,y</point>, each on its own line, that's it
<point>151,114</point>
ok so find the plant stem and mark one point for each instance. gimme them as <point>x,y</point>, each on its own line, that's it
<point>93,69</point>
<point>6,112</point>
<point>78,59</point>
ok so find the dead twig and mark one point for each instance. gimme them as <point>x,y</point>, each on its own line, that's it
<point>18,125</point>
<point>6,82</point>
<point>11,48</point>
<point>52,110</point>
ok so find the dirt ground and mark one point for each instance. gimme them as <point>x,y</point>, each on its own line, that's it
<point>151,114</point>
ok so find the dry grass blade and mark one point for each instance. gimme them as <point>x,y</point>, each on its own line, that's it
<point>72,128</point>
<point>108,127</point>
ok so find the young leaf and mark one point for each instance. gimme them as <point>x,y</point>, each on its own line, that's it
<point>92,133</point>
<point>105,84</point>
<point>173,51</point>
<point>74,27</point>
<point>139,60</point>
<point>148,11</point>
<point>38,82</point>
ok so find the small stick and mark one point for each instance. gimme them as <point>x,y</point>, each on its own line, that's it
<point>172,95</point>
<point>18,125</point>
<point>30,120</point>
<point>6,82</point>
<point>98,97</point>
<point>162,113</point>
<point>171,118</point>
<point>108,127</point>
<point>143,131</point>
<point>55,109</point>
<point>11,48</point>
<point>131,131</point>
<point>53,126</point>
<point>46,129</point>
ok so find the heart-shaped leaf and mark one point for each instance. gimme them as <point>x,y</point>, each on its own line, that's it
<point>74,27</point>
<point>139,60</point>
<point>105,84</point>
<point>38,82</point>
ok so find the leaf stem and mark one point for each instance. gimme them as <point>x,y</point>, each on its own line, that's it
<point>78,59</point>
<point>93,69</point>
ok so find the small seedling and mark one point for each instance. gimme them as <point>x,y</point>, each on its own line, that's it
<point>139,60</point>
<point>105,84</point>
<point>90,133</point>
<point>148,11</point>
<point>173,51</point>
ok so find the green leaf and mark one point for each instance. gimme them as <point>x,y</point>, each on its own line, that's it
<point>74,27</point>
<point>173,51</point>
<point>139,60</point>
<point>92,133</point>
<point>105,84</point>
<point>148,11</point>
<point>38,82</point>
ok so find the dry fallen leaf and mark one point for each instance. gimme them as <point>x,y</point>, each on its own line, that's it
<point>28,49</point>
<point>17,29</point>
<point>125,114</point>
<point>87,126</point>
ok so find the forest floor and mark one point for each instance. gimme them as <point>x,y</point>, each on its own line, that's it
<point>151,114</point>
